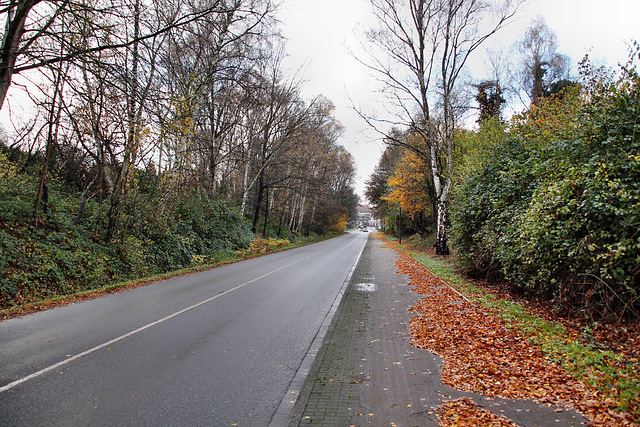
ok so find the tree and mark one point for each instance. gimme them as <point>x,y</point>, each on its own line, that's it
<point>278,117</point>
<point>211,66</point>
<point>334,201</point>
<point>543,70</point>
<point>412,191</point>
<point>551,204</point>
<point>490,100</point>
<point>425,44</point>
<point>377,186</point>
<point>173,102</point>
<point>31,39</point>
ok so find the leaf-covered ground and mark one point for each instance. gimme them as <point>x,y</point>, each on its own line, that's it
<point>465,412</point>
<point>484,355</point>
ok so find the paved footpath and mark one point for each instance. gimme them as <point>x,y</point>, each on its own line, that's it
<point>367,373</point>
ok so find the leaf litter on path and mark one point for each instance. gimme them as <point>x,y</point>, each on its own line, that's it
<point>482,355</point>
<point>465,412</point>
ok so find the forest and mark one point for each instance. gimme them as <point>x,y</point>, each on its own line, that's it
<point>166,135</point>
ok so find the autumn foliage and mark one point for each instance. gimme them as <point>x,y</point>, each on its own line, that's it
<point>465,412</point>
<point>411,189</point>
<point>484,355</point>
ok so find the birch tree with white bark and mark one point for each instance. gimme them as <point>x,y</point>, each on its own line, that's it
<point>419,51</point>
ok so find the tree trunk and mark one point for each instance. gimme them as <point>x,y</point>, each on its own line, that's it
<point>42,187</point>
<point>259,198</point>
<point>54,119</point>
<point>294,210</point>
<point>112,217</point>
<point>11,41</point>
<point>301,213</point>
<point>442,245</point>
<point>266,214</point>
<point>132,138</point>
<point>537,92</point>
<point>83,200</point>
<point>280,223</point>
<point>245,182</point>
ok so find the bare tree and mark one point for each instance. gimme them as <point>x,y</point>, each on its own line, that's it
<point>281,115</point>
<point>31,39</point>
<point>542,66</point>
<point>157,104</point>
<point>209,71</point>
<point>423,47</point>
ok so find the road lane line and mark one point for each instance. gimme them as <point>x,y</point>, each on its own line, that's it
<point>149,325</point>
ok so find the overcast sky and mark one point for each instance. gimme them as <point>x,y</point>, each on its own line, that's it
<point>318,31</point>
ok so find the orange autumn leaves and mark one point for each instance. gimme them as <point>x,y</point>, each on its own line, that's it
<point>482,355</point>
<point>410,184</point>
<point>465,412</point>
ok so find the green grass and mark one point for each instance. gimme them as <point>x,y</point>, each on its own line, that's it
<point>602,369</point>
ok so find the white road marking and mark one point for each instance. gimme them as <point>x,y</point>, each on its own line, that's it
<point>366,287</point>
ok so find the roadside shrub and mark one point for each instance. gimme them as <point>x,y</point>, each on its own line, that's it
<point>261,246</point>
<point>43,263</point>
<point>554,208</point>
<point>484,207</point>
<point>196,230</point>
<point>57,258</point>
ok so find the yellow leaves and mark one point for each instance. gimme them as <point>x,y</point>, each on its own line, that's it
<point>340,224</point>
<point>198,259</point>
<point>7,168</point>
<point>182,123</point>
<point>409,183</point>
<point>261,246</point>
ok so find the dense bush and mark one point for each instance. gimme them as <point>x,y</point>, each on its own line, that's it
<point>553,206</point>
<point>52,259</point>
<point>58,258</point>
<point>196,231</point>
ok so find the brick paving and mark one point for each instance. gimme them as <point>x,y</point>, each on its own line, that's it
<point>366,372</point>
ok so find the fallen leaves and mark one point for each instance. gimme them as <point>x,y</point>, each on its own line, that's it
<point>465,412</point>
<point>484,356</point>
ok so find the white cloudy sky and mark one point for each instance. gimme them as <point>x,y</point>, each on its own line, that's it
<point>318,30</point>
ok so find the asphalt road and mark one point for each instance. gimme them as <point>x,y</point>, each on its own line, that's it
<point>219,347</point>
